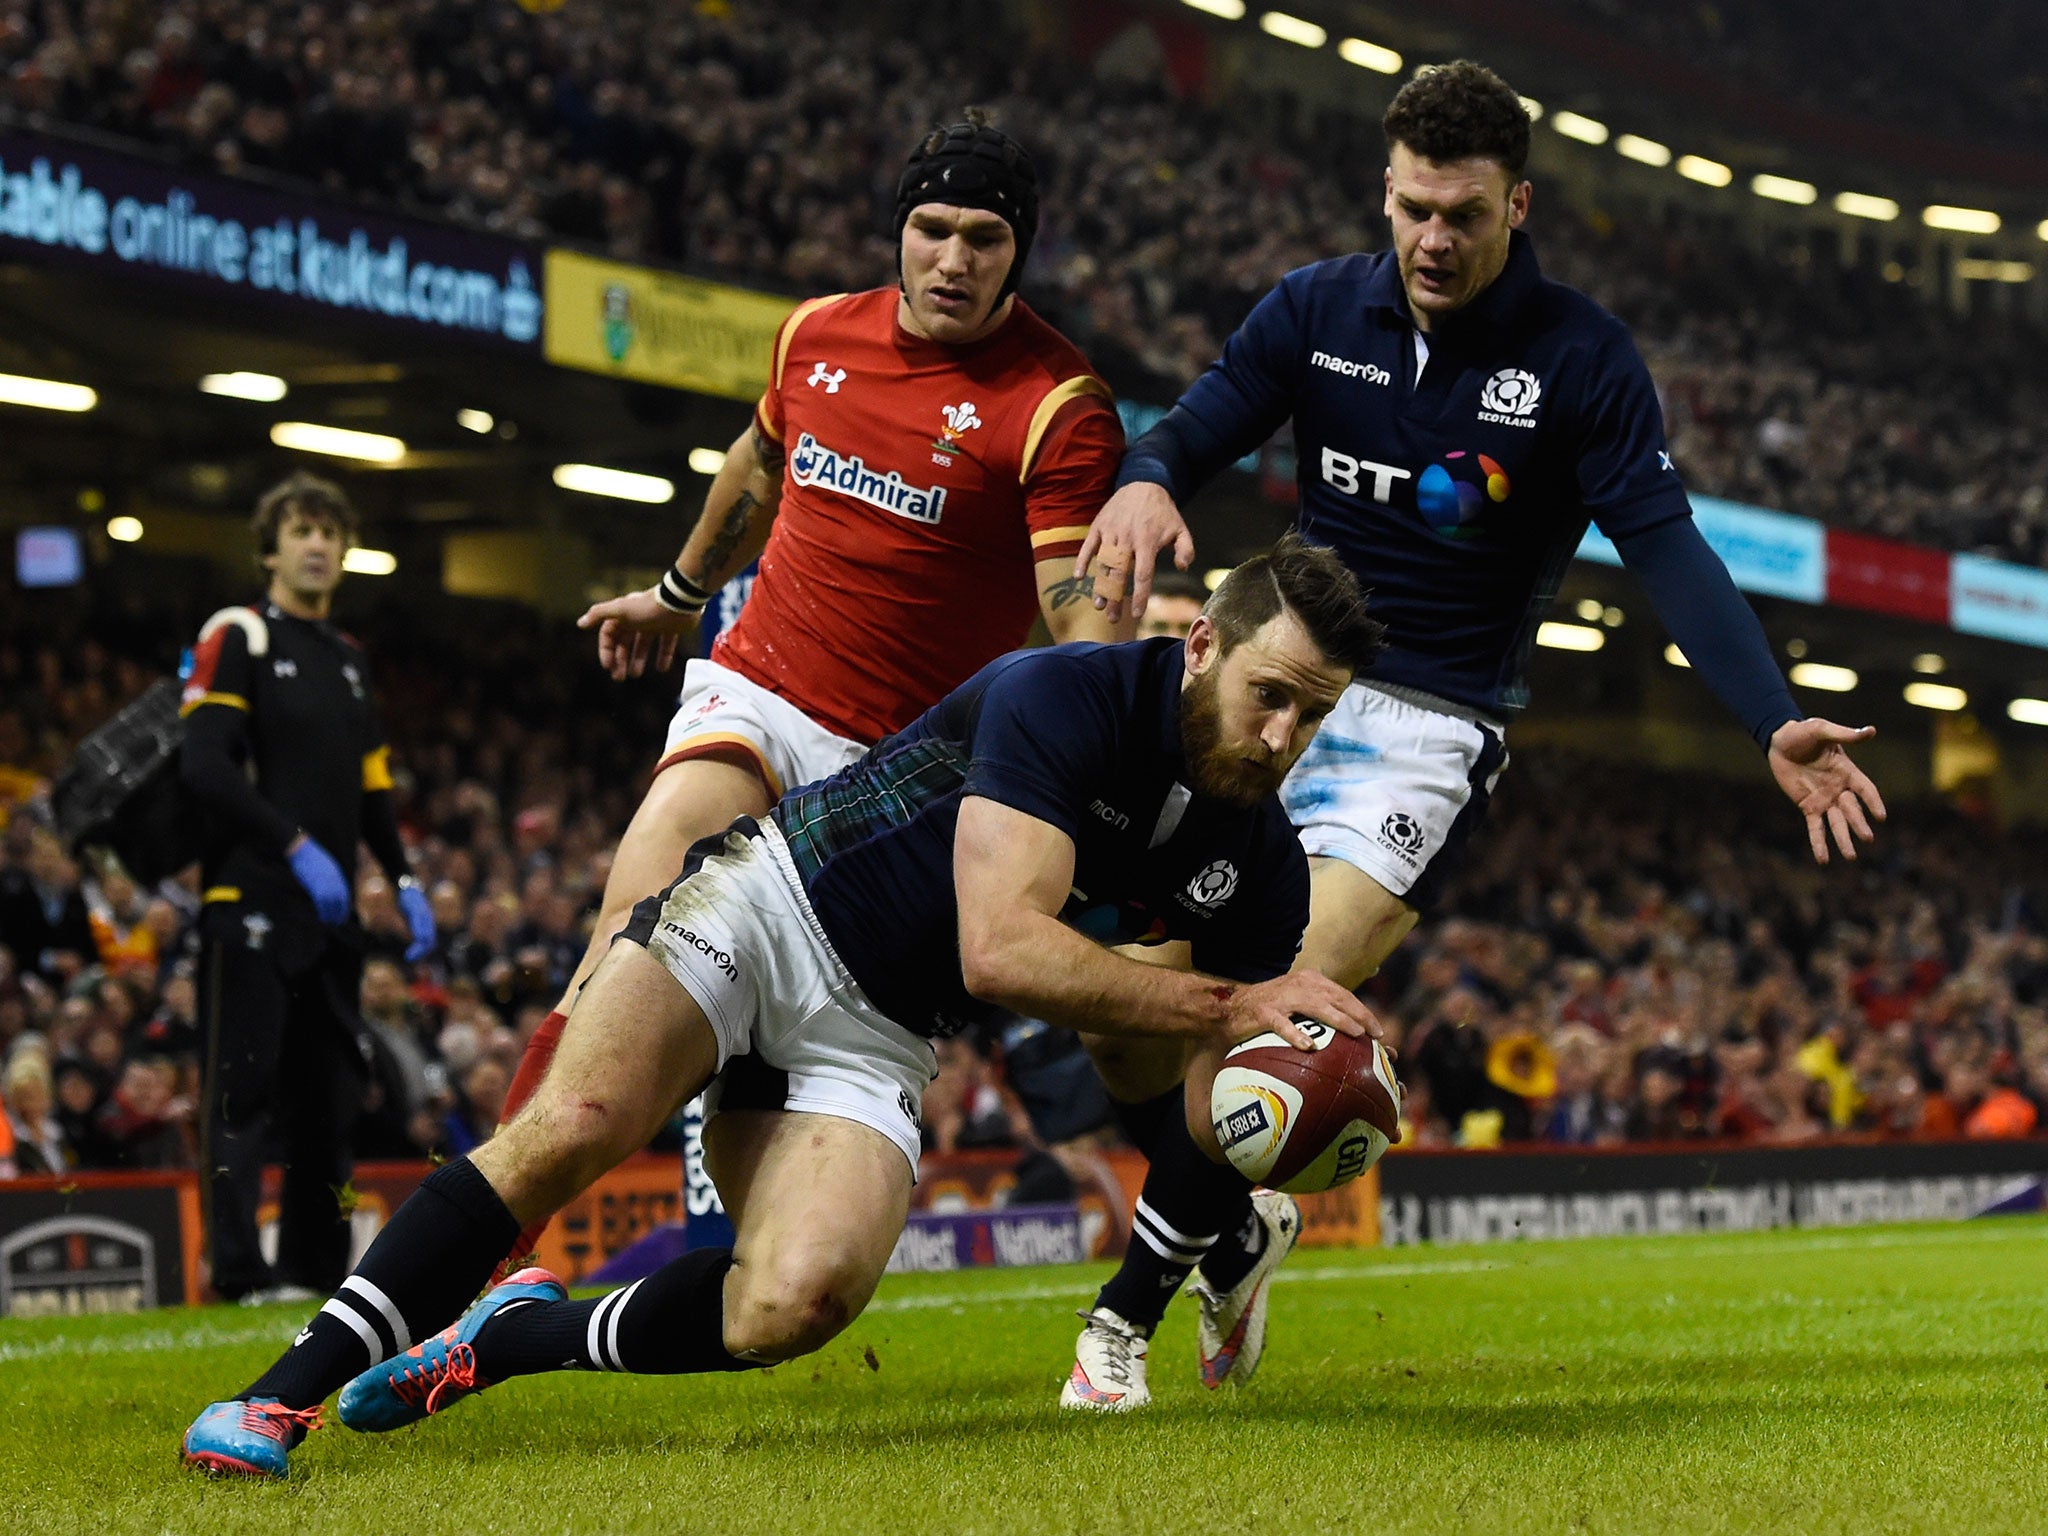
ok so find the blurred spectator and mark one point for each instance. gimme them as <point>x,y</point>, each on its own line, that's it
<point>144,1123</point>
<point>409,1092</point>
<point>1177,598</point>
<point>967,1105</point>
<point>44,921</point>
<point>38,1141</point>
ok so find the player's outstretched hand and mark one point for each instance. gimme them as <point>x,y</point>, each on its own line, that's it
<point>1811,764</point>
<point>634,628</point>
<point>1133,526</point>
<point>1270,1007</point>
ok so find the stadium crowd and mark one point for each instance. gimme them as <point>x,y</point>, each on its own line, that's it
<point>513,809</point>
<point>1629,957</point>
<point>1881,61</point>
<point>760,143</point>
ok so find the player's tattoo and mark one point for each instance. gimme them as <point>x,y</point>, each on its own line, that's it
<point>767,451</point>
<point>730,532</point>
<point>1071,590</point>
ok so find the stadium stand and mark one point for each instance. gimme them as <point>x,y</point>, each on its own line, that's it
<point>1983,83</point>
<point>721,138</point>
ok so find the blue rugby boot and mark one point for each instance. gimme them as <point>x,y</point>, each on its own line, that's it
<point>438,1373</point>
<point>247,1439</point>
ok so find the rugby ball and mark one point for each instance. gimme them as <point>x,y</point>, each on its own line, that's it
<point>1302,1121</point>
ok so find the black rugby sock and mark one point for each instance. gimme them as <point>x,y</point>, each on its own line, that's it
<point>1236,1252</point>
<point>433,1256</point>
<point>670,1324</point>
<point>1141,1122</point>
<point>1186,1202</point>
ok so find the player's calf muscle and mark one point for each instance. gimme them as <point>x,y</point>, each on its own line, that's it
<point>1354,923</point>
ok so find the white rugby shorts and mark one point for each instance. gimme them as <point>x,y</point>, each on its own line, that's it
<point>794,1030</point>
<point>1394,784</point>
<point>721,709</point>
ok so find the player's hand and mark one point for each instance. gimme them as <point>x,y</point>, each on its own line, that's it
<point>1810,763</point>
<point>1126,537</point>
<point>1270,1007</point>
<point>636,628</point>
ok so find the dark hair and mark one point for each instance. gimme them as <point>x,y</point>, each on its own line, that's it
<point>1177,583</point>
<point>309,496</point>
<point>1460,111</point>
<point>1312,584</point>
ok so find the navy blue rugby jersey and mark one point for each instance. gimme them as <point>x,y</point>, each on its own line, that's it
<point>1458,498</point>
<point>1087,738</point>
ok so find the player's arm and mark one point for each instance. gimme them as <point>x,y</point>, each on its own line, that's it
<point>1225,414</point>
<point>1708,620</point>
<point>1067,601</point>
<point>1627,480</point>
<point>1012,873</point>
<point>730,531</point>
<point>1069,468</point>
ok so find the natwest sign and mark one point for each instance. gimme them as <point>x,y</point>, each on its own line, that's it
<point>71,204</point>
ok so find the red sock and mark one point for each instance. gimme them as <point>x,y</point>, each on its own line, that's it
<point>533,1066</point>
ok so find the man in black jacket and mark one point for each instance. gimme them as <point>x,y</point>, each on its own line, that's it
<point>284,750</point>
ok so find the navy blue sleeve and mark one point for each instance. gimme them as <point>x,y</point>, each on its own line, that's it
<point>1043,733</point>
<point>1235,405</point>
<point>1626,480</point>
<point>1708,620</point>
<point>1264,935</point>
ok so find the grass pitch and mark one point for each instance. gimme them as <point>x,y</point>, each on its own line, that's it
<point>1864,1381</point>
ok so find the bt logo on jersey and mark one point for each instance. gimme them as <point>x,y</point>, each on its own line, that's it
<point>1341,472</point>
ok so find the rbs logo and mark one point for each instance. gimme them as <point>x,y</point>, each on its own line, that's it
<point>1342,472</point>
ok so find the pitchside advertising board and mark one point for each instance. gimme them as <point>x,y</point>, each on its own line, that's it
<point>246,243</point>
<point>660,327</point>
<point>1491,1197</point>
<point>74,1247</point>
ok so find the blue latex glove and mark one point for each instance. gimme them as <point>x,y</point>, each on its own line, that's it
<point>316,870</point>
<point>419,920</point>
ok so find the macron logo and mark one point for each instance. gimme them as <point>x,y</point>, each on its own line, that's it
<point>1372,373</point>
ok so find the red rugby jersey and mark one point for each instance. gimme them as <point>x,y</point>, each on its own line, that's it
<point>922,484</point>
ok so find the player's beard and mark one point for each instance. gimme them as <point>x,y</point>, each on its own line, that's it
<point>1219,772</point>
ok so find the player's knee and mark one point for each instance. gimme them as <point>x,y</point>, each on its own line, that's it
<point>562,1142</point>
<point>781,1315</point>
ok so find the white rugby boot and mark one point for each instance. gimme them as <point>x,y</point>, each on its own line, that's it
<point>1231,1332</point>
<point>1109,1366</point>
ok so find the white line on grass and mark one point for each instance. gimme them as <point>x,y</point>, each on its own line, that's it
<point>155,1341</point>
<point>1018,1295</point>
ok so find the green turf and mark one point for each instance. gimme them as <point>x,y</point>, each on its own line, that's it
<point>1864,1381</point>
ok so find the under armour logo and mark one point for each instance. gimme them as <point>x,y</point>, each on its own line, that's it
<point>1663,459</point>
<point>305,1333</point>
<point>831,379</point>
